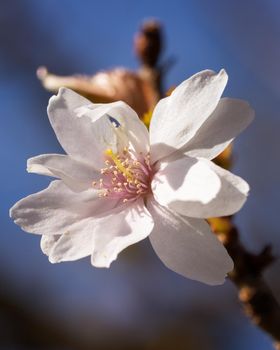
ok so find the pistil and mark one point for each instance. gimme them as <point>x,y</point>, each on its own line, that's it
<point>124,176</point>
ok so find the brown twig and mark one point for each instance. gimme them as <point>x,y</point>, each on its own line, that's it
<point>148,45</point>
<point>256,297</point>
<point>258,301</point>
<point>23,327</point>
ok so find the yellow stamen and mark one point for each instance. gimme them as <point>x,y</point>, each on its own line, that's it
<point>119,164</point>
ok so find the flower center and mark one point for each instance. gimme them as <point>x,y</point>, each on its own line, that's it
<point>124,176</point>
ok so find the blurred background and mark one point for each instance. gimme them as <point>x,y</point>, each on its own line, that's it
<point>137,303</point>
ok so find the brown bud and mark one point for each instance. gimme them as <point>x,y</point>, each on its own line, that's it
<point>246,294</point>
<point>148,43</point>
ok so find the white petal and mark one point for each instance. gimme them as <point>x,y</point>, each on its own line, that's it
<point>177,118</point>
<point>118,230</point>
<point>47,243</point>
<point>186,181</point>
<point>54,210</point>
<point>81,137</point>
<point>104,237</point>
<point>188,247</point>
<point>75,174</point>
<point>129,128</point>
<point>72,245</point>
<point>86,130</point>
<point>230,197</point>
<point>228,120</point>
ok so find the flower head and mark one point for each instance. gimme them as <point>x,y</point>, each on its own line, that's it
<point>118,184</point>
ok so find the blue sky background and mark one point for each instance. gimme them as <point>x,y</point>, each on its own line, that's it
<point>138,296</point>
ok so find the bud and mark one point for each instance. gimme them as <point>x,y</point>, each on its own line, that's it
<point>148,43</point>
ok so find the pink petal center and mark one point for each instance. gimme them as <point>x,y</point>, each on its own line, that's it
<point>125,176</point>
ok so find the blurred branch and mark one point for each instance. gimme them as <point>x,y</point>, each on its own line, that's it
<point>21,326</point>
<point>148,45</point>
<point>256,297</point>
<point>258,301</point>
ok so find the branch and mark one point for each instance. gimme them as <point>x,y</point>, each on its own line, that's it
<point>24,328</point>
<point>148,45</point>
<point>258,301</point>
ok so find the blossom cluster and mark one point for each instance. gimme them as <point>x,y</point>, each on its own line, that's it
<point>118,183</point>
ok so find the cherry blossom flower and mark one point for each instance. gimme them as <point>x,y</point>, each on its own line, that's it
<point>118,184</point>
<point>106,86</point>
